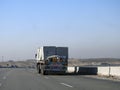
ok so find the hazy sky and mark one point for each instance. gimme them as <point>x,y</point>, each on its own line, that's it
<point>90,28</point>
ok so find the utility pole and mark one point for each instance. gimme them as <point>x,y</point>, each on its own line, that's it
<point>109,70</point>
<point>2,58</point>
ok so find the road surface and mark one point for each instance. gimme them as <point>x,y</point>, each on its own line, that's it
<point>28,79</point>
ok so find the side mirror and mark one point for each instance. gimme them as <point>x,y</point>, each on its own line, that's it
<point>35,55</point>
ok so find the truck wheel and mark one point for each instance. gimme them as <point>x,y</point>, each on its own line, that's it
<point>38,69</point>
<point>43,72</point>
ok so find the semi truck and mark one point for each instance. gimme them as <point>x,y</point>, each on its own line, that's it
<point>52,59</point>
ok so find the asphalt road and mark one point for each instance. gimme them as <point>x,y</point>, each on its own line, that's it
<point>28,79</point>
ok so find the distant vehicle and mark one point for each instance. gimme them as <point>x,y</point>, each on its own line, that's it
<point>52,59</point>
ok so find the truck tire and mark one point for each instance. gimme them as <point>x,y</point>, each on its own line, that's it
<point>38,69</point>
<point>43,72</point>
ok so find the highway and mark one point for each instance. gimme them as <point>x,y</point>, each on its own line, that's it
<point>29,79</point>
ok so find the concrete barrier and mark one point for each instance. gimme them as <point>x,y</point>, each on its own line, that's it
<point>103,71</point>
<point>82,70</point>
<point>70,69</point>
<point>87,70</point>
<point>109,71</point>
<point>98,70</point>
<point>115,71</point>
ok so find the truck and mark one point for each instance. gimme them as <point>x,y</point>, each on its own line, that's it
<point>52,59</point>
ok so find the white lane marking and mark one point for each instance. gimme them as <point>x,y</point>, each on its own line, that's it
<point>0,84</point>
<point>66,85</point>
<point>46,77</point>
<point>4,77</point>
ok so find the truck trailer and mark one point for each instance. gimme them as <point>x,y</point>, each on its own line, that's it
<point>52,59</point>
